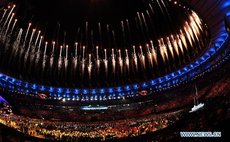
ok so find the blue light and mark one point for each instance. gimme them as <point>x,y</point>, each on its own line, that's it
<point>94,108</point>
<point>135,86</point>
<point>127,88</point>
<point>202,58</point>
<point>26,85</point>
<point>13,80</point>
<point>18,82</point>
<point>6,78</point>
<point>110,90</point>
<point>207,54</point>
<point>102,91</point>
<point>160,80</point>
<point>119,89</point>
<point>167,77</point>
<point>220,40</point>
<point>144,85</point>
<point>42,88</point>
<point>153,82</point>
<point>94,91</point>
<point>76,91</point>
<point>59,90</point>
<point>34,86</point>
<point>212,49</point>
<point>226,4</point>
<point>67,91</point>
<point>228,14</point>
<point>85,91</point>
<point>224,34</point>
<point>51,89</point>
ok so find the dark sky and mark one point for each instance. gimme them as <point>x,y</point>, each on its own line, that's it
<point>2,2</point>
<point>77,10</point>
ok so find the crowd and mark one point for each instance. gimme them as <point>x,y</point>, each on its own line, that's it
<point>5,108</point>
<point>95,130</point>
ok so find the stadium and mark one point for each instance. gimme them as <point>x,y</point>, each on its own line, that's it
<point>115,70</point>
